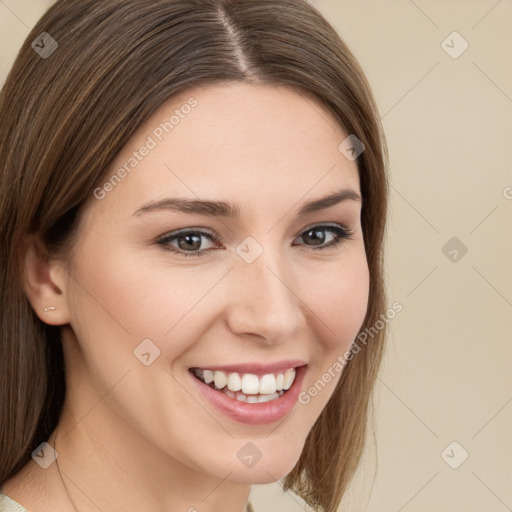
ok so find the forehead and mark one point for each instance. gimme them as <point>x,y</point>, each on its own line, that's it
<point>253,144</point>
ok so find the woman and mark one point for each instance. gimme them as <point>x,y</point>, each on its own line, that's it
<point>137,134</point>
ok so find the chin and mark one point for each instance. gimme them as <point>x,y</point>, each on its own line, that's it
<point>262,472</point>
<point>263,476</point>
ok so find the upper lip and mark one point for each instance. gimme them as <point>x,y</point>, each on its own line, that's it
<point>255,368</point>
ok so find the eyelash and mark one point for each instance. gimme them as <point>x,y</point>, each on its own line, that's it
<point>341,232</point>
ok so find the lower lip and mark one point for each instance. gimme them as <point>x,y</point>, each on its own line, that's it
<point>253,414</point>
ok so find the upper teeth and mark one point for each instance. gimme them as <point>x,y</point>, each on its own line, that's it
<point>248,382</point>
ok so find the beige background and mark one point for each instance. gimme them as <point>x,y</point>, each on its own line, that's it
<point>446,375</point>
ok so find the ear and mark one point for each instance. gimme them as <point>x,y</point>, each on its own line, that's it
<point>44,282</point>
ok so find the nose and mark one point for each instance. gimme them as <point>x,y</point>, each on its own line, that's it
<point>264,299</point>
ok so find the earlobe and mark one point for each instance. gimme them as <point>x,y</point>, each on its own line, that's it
<point>44,284</point>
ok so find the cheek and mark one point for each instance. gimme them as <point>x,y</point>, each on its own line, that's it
<point>341,302</point>
<point>120,302</point>
<point>131,299</point>
<point>340,308</point>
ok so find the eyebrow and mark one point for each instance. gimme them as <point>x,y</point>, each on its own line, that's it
<point>229,210</point>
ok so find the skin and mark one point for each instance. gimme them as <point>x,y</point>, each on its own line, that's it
<point>135,437</point>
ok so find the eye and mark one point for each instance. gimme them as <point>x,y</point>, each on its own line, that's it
<point>316,234</point>
<point>189,240</point>
<point>189,243</point>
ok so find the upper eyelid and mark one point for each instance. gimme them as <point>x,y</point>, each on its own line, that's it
<point>206,231</point>
<point>216,238</point>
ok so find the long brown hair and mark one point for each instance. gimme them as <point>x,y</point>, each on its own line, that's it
<point>64,117</point>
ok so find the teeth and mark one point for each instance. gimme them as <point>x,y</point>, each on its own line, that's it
<point>289,377</point>
<point>220,379</point>
<point>234,382</point>
<point>250,384</point>
<point>267,387</point>
<point>267,398</point>
<point>251,399</point>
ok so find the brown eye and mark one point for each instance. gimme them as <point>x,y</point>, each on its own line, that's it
<point>189,243</point>
<point>317,236</point>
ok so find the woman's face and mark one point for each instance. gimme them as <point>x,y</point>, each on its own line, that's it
<point>257,294</point>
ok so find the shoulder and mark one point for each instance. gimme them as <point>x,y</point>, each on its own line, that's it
<point>7,504</point>
<point>29,490</point>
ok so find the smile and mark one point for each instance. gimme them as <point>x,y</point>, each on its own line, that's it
<point>252,393</point>
<point>247,387</point>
